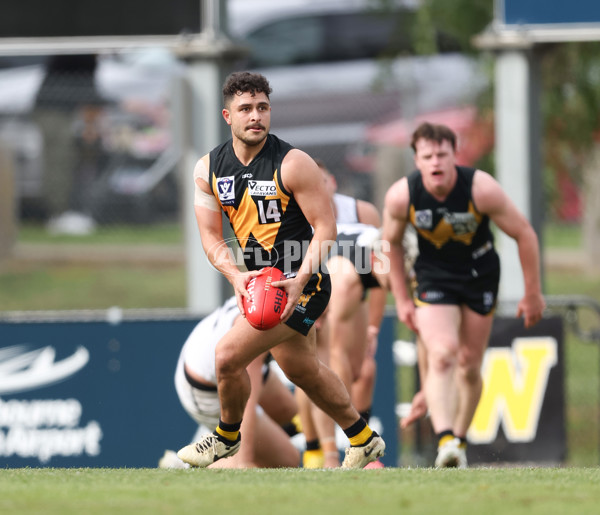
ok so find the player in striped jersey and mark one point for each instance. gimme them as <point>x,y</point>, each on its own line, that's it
<point>266,189</point>
<point>457,276</point>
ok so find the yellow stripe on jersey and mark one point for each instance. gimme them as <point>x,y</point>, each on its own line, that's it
<point>444,231</point>
<point>245,219</point>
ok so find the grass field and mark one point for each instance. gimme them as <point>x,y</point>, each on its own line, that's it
<point>129,280</point>
<point>512,491</point>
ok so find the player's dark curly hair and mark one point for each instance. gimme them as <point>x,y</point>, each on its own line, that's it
<point>244,82</point>
<point>432,132</point>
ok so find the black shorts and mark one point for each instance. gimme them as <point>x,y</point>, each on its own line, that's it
<point>312,303</point>
<point>368,281</point>
<point>478,292</point>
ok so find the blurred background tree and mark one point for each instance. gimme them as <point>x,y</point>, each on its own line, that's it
<point>460,19</point>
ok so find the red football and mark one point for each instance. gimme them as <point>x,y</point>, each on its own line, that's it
<point>266,303</point>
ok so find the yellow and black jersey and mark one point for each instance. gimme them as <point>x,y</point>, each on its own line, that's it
<point>266,219</point>
<point>453,236</point>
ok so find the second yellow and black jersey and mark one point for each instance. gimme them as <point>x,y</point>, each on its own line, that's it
<point>453,235</point>
<point>266,219</point>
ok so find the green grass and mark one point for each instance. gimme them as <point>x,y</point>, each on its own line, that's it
<point>35,286</point>
<point>582,378</point>
<point>528,491</point>
<point>159,234</point>
<point>46,285</point>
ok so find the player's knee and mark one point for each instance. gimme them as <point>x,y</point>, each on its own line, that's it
<point>469,365</point>
<point>345,301</point>
<point>443,357</point>
<point>298,377</point>
<point>301,375</point>
<point>470,374</point>
<point>226,361</point>
<point>344,308</point>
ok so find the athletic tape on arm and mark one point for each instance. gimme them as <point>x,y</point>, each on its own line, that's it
<point>201,198</point>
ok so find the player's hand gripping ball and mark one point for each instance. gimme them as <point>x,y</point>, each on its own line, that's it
<point>266,303</point>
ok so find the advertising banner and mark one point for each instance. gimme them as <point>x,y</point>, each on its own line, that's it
<point>521,414</point>
<point>90,394</point>
<point>100,394</point>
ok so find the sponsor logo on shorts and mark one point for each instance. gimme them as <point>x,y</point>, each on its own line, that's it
<point>226,190</point>
<point>308,321</point>
<point>488,299</point>
<point>303,301</point>
<point>431,295</point>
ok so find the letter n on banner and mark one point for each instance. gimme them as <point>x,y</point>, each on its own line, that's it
<point>520,416</point>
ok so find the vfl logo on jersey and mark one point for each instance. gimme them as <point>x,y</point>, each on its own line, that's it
<point>423,219</point>
<point>226,190</point>
<point>262,188</point>
<point>459,227</point>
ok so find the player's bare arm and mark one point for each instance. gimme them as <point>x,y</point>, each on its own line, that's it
<point>367,213</point>
<point>490,198</point>
<point>209,219</point>
<point>394,224</point>
<point>300,174</point>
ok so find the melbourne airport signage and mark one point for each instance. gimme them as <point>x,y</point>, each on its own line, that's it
<point>90,394</point>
